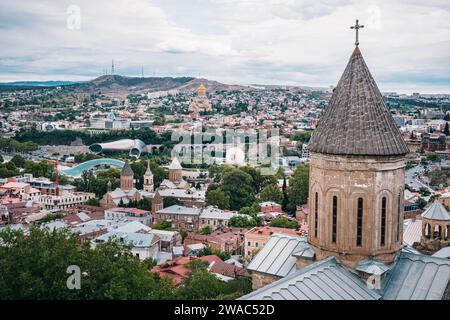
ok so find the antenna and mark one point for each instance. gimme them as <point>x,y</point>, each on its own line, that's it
<point>112,67</point>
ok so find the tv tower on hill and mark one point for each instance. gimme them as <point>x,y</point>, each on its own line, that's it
<point>112,67</point>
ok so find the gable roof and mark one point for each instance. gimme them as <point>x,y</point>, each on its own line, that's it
<point>356,121</point>
<point>417,277</point>
<point>176,209</point>
<point>323,280</point>
<point>276,257</point>
<point>436,211</point>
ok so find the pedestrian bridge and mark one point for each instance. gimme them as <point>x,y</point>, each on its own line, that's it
<point>77,170</point>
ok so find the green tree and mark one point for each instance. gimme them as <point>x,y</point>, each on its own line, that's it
<point>18,161</point>
<point>424,191</point>
<point>93,202</point>
<point>421,203</point>
<point>51,217</point>
<point>239,186</point>
<point>144,204</point>
<point>206,230</point>
<point>302,136</point>
<point>170,201</point>
<point>218,197</point>
<point>284,222</point>
<point>432,156</point>
<point>446,129</point>
<point>285,202</point>
<point>201,284</point>
<point>34,266</point>
<point>206,251</point>
<point>242,221</point>
<point>163,225</point>
<point>271,193</point>
<point>298,188</point>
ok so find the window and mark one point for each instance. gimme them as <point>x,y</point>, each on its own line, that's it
<point>316,215</point>
<point>256,244</point>
<point>249,244</point>
<point>334,236</point>
<point>359,222</point>
<point>383,222</point>
<point>398,217</point>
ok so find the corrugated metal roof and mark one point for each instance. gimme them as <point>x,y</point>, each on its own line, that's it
<point>176,209</point>
<point>372,266</point>
<point>412,231</point>
<point>417,277</point>
<point>276,257</point>
<point>323,280</point>
<point>444,253</point>
<point>436,212</point>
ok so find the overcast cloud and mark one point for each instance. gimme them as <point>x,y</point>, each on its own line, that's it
<point>406,43</point>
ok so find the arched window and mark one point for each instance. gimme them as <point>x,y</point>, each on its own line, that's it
<point>383,222</point>
<point>316,215</point>
<point>334,231</point>
<point>427,231</point>
<point>359,222</point>
<point>398,216</point>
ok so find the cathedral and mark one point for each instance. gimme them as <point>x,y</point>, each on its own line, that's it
<point>127,192</point>
<point>177,188</point>
<point>354,249</point>
<point>200,103</point>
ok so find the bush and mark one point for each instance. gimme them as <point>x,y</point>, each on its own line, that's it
<point>206,230</point>
<point>284,222</point>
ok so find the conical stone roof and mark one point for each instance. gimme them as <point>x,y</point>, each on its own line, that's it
<point>126,170</point>
<point>356,120</point>
<point>175,165</point>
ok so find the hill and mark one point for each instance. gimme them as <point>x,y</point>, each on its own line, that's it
<point>122,85</point>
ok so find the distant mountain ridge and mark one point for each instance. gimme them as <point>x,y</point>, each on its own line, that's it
<point>53,83</point>
<point>140,85</point>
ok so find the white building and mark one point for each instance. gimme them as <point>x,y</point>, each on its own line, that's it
<point>143,245</point>
<point>215,217</point>
<point>64,201</point>
<point>129,214</point>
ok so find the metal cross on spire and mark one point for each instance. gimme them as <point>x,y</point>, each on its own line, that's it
<point>357,26</point>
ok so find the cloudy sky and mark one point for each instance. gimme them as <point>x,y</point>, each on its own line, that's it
<point>406,43</point>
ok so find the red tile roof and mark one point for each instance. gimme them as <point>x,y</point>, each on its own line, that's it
<point>177,269</point>
<point>267,231</point>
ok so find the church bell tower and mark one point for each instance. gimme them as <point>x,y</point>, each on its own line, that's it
<point>357,172</point>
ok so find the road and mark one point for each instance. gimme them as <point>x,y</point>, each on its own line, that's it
<point>413,182</point>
